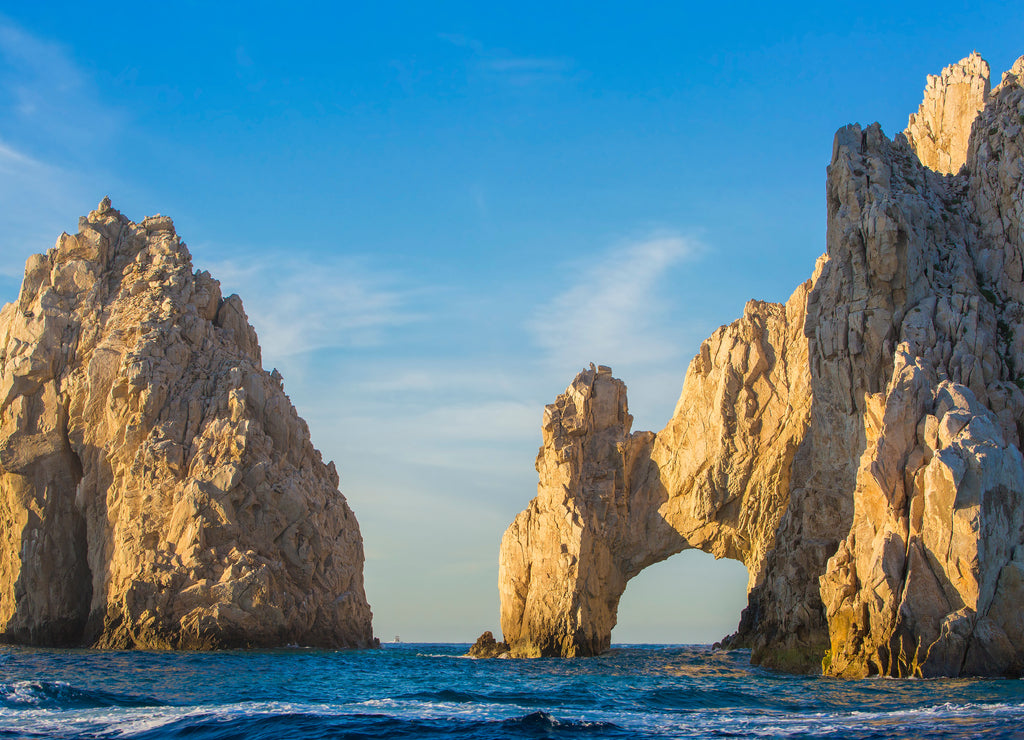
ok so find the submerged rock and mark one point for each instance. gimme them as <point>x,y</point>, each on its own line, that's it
<point>157,488</point>
<point>857,448</point>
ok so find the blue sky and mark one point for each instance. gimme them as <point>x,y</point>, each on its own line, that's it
<point>437,213</point>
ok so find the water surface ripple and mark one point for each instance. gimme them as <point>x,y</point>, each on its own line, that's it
<point>430,691</point>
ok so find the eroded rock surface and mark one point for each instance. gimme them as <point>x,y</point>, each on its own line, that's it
<point>610,503</point>
<point>858,449</point>
<point>157,488</point>
<point>487,647</point>
<point>939,491</point>
<point>941,129</point>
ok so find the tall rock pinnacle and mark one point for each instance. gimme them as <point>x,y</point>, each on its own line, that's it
<point>940,130</point>
<point>157,488</point>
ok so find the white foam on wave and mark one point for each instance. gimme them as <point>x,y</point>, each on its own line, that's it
<point>848,724</point>
<point>29,692</point>
<point>127,722</point>
<point>947,709</point>
<point>49,721</point>
<point>429,709</point>
<point>131,721</point>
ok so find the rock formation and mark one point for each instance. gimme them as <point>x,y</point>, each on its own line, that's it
<point>857,448</point>
<point>487,647</point>
<point>940,130</point>
<point>157,488</point>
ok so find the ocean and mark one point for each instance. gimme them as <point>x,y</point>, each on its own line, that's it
<point>431,691</point>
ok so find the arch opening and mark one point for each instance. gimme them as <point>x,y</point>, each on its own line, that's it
<point>689,598</point>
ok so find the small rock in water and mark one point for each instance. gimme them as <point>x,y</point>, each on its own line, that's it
<point>487,647</point>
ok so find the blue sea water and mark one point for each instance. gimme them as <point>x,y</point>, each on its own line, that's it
<point>430,691</point>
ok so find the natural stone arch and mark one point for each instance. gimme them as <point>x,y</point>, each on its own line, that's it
<point>610,502</point>
<point>858,449</point>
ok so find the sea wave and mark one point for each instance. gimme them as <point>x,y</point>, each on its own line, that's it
<point>692,699</point>
<point>660,693</point>
<point>60,694</point>
<point>274,720</point>
<point>467,719</point>
<point>545,722</point>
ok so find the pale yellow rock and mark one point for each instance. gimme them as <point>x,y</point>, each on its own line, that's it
<point>610,503</point>
<point>857,450</point>
<point>940,130</point>
<point>939,489</point>
<point>157,488</point>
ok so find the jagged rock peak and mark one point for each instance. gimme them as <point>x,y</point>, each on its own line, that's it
<point>1015,74</point>
<point>858,449</point>
<point>157,487</point>
<point>939,131</point>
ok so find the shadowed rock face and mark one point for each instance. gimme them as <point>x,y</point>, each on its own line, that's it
<point>157,488</point>
<point>857,448</point>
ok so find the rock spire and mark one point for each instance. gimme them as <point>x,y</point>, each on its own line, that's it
<point>941,129</point>
<point>157,488</point>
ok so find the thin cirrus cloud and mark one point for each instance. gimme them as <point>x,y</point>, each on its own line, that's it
<point>49,114</point>
<point>612,310</point>
<point>517,70</point>
<point>36,199</point>
<point>480,435</point>
<point>302,305</point>
<point>45,95</point>
<point>525,71</point>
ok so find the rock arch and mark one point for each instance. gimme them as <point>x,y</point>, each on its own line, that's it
<point>610,502</point>
<point>857,448</point>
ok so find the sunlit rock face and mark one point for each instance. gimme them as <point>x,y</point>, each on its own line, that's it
<point>858,449</point>
<point>922,581</point>
<point>610,502</point>
<point>940,131</point>
<point>157,488</point>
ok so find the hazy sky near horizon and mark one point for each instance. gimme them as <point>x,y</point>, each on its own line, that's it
<point>437,213</point>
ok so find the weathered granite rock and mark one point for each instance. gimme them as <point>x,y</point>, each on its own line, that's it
<point>915,587</point>
<point>610,503</point>
<point>157,488</point>
<point>940,130</point>
<point>858,449</point>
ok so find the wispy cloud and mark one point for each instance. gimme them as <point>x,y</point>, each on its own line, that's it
<point>518,70</point>
<point>299,304</point>
<point>12,161</point>
<point>463,42</point>
<point>526,71</point>
<point>37,202</point>
<point>528,65</point>
<point>479,434</point>
<point>612,310</point>
<point>52,122</point>
<point>44,93</point>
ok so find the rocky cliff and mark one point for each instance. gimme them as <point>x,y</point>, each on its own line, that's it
<point>857,448</point>
<point>157,488</point>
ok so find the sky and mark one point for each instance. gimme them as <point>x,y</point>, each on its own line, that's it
<point>436,214</point>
